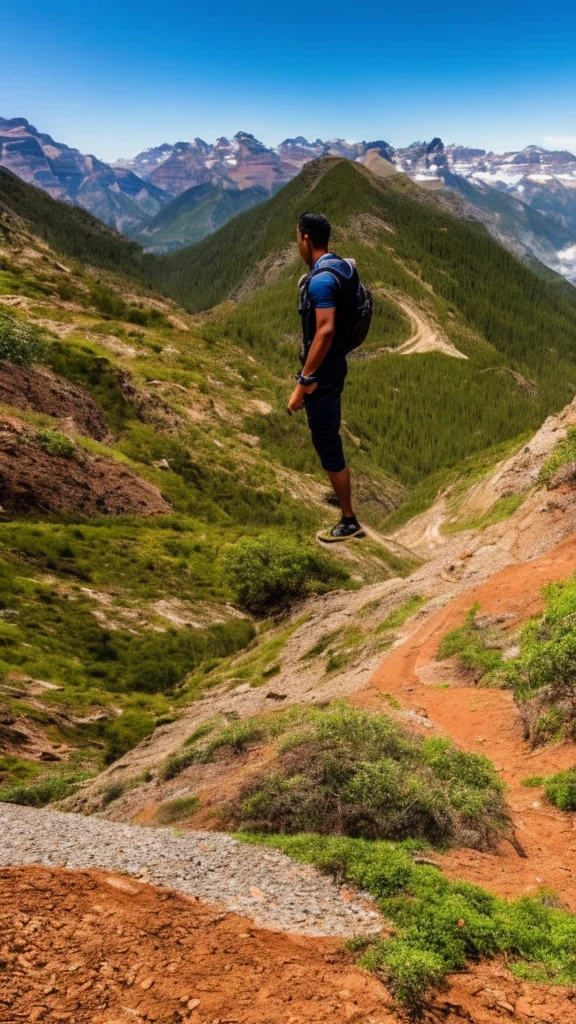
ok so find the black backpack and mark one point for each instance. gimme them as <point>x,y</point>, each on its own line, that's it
<point>356,307</point>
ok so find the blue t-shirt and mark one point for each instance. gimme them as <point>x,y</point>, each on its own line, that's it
<point>324,288</point>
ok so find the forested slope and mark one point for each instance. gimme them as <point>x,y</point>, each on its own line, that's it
<point>413,415</point>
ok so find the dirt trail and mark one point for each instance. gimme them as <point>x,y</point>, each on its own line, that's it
<point>486,721</point>
<point>424,337</point>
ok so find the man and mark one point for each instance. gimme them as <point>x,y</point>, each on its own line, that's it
<point>319,387</point>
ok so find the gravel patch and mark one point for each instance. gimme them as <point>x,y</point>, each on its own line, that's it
<point>257,882</point>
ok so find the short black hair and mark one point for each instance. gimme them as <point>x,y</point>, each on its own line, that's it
<point>316,226</point>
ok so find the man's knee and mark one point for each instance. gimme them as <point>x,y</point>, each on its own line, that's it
<point>330,451</point>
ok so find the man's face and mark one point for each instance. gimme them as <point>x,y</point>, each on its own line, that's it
<point>304,247</point>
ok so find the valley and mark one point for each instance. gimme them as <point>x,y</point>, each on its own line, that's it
<point>225,750</point>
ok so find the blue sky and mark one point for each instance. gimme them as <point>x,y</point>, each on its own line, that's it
<point>115,77</point>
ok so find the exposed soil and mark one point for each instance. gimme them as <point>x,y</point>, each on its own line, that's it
<point>33,480</point>
<point>88,947</point>
<point>42,391</point>
<point>102,949</point>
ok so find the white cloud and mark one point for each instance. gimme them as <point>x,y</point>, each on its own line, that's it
<point>561,141</point>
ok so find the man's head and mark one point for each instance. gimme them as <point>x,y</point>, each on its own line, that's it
<point>313,235</point>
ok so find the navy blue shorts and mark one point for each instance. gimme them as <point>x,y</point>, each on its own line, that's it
<point>323,411</point>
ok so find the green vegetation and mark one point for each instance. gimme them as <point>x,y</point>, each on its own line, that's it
<point>113,307</point>
<point>270,573</point>
<point>342,771</point>
<point>439,925</point>
<point>475,645</point>
<point>54,786</point>
<point>195,213</point>
<point>560,790</point>
<point>401,614</point>
<point>563,453</point>
<point>55,443</point>
<point>542,675</point>
<point>20,342</point>
<point>534,781</point>
<point>177,810</point>
<point>501,510</point>
<point>68,229</point>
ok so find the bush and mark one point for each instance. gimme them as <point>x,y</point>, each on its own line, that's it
<point>474,646</point>
<point>112,792</point>
<point>125,732</point>
<point>176,810</point>
<point>409,971</point>
<point>20,342</point>
<point>38,794</point>
<point>342,771</point>
<point>269,573</point>
<point>176,763</point>
<point>560,790</point>
<point>543,676</point>
<point>55,443</point>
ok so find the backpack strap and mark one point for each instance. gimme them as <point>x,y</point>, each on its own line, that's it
<point>336,274</point>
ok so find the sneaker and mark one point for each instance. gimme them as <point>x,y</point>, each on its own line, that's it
<point>342,531</point>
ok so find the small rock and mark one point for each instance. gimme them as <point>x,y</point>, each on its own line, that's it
<point>192,1004</point>
<point>147,983</point>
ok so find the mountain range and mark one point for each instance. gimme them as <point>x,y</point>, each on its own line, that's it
<point>175,194</point>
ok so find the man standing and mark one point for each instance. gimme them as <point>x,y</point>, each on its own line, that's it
<point>325,293</point>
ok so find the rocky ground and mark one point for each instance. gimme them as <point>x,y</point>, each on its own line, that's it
<point>92,948</point>
<point>260,883</point>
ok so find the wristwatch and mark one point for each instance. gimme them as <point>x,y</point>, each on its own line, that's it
<point>303,380</point>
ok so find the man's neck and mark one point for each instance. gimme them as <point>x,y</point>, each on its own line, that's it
<point>317,254</point>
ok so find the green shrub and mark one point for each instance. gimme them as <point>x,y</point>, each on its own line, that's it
<point>125,732</point>
<point>112,792</point>
<point>543,676</point>
<point>55,443</point>
<point>20,342</point>
<point>177,810</point>
<point>474,645</point>
<point>439,925</point>
<point>176,763</point>
<point>411,972</point>
<point>560,790</point>
<point>342,771</point>
<point>534,781</point>
<point>564,452</point>
<point>269,573</point>
<point>38,794</point>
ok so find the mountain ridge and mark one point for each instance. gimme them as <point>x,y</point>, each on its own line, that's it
<point>129,194</point>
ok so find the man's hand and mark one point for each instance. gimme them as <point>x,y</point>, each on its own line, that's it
<point>297,397</point>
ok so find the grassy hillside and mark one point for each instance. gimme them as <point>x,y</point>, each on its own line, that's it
<point>194,405</point>
<point>411,416</point>
<point>69,230</point>
<point>103,618</point>
<point>194,214</point>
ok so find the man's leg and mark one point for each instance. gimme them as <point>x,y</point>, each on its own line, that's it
<point>323,409</point>
<point>341,484</point>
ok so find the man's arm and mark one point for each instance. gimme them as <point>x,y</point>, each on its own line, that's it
<point>325,329</point>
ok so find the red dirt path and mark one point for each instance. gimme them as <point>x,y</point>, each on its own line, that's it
<point>486,721</point>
